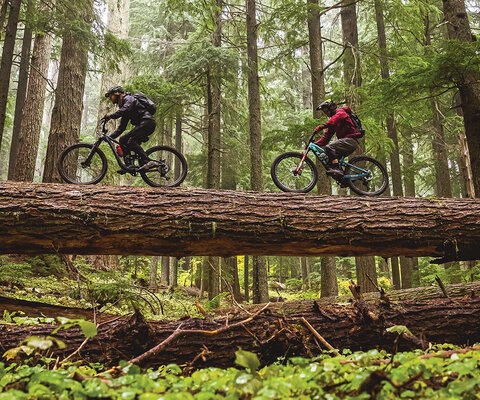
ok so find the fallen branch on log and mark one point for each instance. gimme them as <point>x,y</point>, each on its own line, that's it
<point>179,332</point>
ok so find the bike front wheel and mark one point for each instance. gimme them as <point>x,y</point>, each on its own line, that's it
<point>289,178</point>
<point>171,170</point>
<point>83,164</point>
<point>366,176</point>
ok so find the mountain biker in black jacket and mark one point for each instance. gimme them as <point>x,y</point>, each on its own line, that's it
<point>131,110</point>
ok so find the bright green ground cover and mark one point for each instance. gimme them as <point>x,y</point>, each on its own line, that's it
<point>446,373</point>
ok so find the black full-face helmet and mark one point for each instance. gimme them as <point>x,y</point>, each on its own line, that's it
<point>327,105</point>
<point>114,90</point>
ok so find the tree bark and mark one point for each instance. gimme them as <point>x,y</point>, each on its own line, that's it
<point>75,219</point>
<point>67,112</point>
<point>23,72</point>
<point>165,271</point>
<point>329,286</point>
<point>316,54</point>
<point>396,175</point>
<point>328,278</point>
<point>259,275</point>
<point>24,161</point>
<point>469,86</point>
<point>7,61</point>
<point>366,270</point>
<point>153,285</point>
<point>466,165</point>
<point>351,58</point>
<point>272,331</point>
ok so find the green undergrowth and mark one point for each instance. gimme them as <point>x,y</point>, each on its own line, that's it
<point>442,372</point>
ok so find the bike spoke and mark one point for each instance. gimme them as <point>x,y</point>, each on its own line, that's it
<point>171,169</point>
<point>366,176</point>
<point>82,164</point>
<point>292,172</point>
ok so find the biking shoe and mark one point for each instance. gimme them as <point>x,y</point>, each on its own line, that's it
<point>149,165</point>
<point>122,172</point>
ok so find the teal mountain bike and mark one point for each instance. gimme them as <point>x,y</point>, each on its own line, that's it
<point>295,172</point>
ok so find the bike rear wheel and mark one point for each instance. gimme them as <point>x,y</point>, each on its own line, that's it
<point>369,177</point>
<point>284,175</point>
<point>83,164</point>
<point>171,170</point>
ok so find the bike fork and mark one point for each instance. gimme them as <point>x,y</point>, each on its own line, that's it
<point>297,170</point>
<point>87,161</point>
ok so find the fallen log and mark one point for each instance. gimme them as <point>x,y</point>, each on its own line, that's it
<point>41,309</point>
<point>72,219</point>
<point>271,330</point>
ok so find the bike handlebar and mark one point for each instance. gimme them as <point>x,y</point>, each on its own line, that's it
<point>104,129</point>
<point>311,139</point>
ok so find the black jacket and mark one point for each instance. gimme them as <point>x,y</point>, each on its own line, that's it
<point>131,110</point>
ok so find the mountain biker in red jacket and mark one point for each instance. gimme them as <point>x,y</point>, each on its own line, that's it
<point>131,110</point>
<point>340,124</point>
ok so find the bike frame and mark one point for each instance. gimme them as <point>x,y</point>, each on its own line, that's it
<point>104,137</point>
<point>319,151</point>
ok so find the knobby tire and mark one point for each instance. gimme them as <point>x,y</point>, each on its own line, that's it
<point>171,172</point>
<point>375,185</point>
<point>71,169</point>
<point>284,178</point>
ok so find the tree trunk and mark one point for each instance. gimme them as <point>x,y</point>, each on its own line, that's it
<point>3,16</point>
<point>397,284</point>
<point>305,273</point>
<point>153,273</point>
<point>67,112</point>
<point>230,278</point>
<point>328,278</point>
<point>316,55</point>
<point>214,97</point>
<point>178,137</point>
<point>469,87</point>
<point>214,145</point>
<point>407,264</point>
<point>117,24</point>
<point>329,286</point>
<point>272,331</point>
<point>75,219</point>
<point>353,80</point>
<point>246,278</point>
<point>31,124</point>
<point>165,271</point>
<point>259,276</point>
<point>22,86</point>
<point>174,272</point>
<point>7,61</point>
<point>396,174</point>
<point>443,186</point>
<point>366,273</point>
<point>351,58</point>
<point>466,165</point>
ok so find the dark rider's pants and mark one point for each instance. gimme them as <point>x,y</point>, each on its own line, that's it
<point>131,140</point>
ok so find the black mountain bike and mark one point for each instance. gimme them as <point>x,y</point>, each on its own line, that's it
<point>295,172</point>
<point>85,163</point>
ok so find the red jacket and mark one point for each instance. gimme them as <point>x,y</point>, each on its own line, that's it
<point>339,124</point>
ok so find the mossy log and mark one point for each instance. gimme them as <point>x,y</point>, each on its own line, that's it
<point>73,219</point>
<point>274,330</point>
